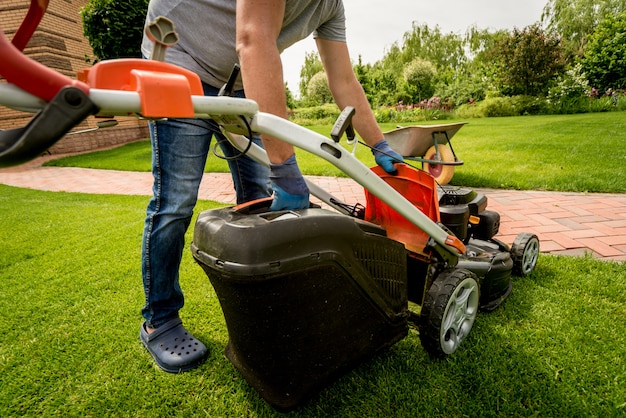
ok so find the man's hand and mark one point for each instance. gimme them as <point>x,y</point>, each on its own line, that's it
<point>386,157</point>
<point>290,189</point>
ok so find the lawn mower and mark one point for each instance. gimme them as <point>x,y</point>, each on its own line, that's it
<point>309,293</point>
<point>306,294</point>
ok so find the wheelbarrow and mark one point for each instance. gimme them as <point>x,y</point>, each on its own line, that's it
<point>430,145</point>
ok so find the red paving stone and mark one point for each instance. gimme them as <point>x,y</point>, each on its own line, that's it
<point>571,224</point>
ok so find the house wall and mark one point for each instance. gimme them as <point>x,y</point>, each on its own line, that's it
<point>59,43</point>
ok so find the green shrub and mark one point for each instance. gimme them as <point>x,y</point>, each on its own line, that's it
<point>418,77</point>
<point>603,104</point>
<point>323,114</point>
<point>317,90</point>
<point>390,115</point>
<point>570,105</point>
<point>603,60</point>
<point>468,111</point>
<point>497,107</point>
<point>504,106</point>
<point>464,89</point>
<point>572,84</point>
<point>529,105</point>
<point>114,31</point>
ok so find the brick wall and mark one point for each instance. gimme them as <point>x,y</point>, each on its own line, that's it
<point>59,44</point>
<point>102,138</point>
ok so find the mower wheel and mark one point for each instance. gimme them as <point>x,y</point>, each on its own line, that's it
<point>442,173</point>
<point>525,252</point>
<point>449,311</point>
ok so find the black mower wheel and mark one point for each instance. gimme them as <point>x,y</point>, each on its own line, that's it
<point>448,312</point>
<point>525,252</point>
<point>442,173</point>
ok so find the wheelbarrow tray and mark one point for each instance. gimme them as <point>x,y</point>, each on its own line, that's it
<point>416,140</point>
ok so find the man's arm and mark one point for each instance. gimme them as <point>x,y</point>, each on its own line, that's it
<point>258,25</point>
<point>346,89</point>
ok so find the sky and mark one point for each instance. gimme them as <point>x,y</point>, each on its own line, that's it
<point>374,25</point>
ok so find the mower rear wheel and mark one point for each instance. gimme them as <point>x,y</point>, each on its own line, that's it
<point>448,312</point>
<point>525,252</point>
<point>442,173</point>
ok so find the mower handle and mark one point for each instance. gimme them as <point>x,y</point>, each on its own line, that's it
<point>154,90</point>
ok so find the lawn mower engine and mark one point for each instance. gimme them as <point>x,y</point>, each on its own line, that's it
<point>464,212</point>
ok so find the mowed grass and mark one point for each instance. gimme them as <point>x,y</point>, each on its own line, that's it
<point>575,153</point>
<point>71,298</point>
<point>70,314</point>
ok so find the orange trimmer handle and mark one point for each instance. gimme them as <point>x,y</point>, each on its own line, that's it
<point>25,73</point>
<point>35,13</point>
<point>456,243</point>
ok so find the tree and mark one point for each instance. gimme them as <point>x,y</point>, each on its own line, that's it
<point>443,50</point>
<point>114,31</point>
<point>478,43</point>
<point>528,61</point>
<point>604,61</point>
<point>318,90</point>
<point>419,76</point>
<point>573,84</point>
<point>363,75</point>
<point>384,86</point>
<point>475,80</point>
<point>291,103</point>
<point>312,65</point>
<point>575,20</point>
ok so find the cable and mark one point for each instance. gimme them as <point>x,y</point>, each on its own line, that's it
<point>242,153</point>
<point>389,155</point>
<point>215,128</point>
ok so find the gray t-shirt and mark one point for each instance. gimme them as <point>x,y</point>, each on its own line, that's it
<point>206,31</point>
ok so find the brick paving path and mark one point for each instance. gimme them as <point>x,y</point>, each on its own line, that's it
<point>566,223</point>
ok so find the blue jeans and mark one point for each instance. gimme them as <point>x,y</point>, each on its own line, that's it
<point>179,152</point>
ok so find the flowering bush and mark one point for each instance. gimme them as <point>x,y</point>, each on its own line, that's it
<point>572,84</point>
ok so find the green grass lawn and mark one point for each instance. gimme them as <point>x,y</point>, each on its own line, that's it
<point>576,153</point>
<point>72,293</point>
<point>70,314</point>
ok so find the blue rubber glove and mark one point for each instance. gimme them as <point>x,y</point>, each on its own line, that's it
<point>386,157</point>
<point>290,189</point>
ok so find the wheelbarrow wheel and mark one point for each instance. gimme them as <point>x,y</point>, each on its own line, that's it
<point>448,312</point>
<point>525,252</point>
<point>442,173</point>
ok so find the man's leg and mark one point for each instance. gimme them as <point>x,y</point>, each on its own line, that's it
<point>179,149</point>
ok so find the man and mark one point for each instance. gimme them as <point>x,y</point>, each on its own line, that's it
<point>210,45</point>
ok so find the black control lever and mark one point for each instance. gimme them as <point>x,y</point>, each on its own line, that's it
<point>344,124</point>
<point>67,109</point>
<point>227,89</point>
